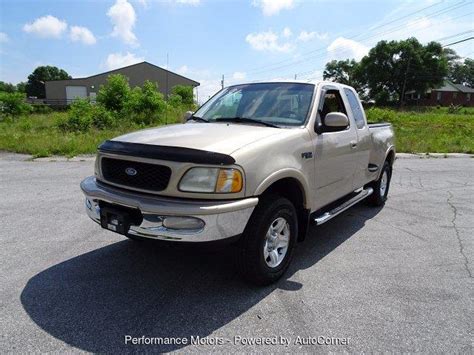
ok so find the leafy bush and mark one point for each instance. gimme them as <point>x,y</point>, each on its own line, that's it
<point>13,104</point>
<point>115,93</point>
<point>79,118</point>
<point>175,101</point>
<point>101,118</point>
<point>186,94</point>
<point>83,115</point>
<point>145,105</point>
<point>454,109</point>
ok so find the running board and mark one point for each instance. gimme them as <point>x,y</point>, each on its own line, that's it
<point>342,207</point>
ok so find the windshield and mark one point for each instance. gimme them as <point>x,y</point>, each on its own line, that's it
<point>281,104</point>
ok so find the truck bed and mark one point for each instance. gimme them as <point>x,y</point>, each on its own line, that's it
<point>378,124</point>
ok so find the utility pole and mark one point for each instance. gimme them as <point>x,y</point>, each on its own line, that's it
<point>402,99</point>
<point>167,71</point>
<point>167,86</point>
<point>295,76</point>
<point>222,81</point>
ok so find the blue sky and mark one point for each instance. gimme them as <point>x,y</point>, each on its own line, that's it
<point>244,39</point>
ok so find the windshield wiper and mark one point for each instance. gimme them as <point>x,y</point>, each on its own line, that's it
<point>196,118</point>
<point>245,120</point>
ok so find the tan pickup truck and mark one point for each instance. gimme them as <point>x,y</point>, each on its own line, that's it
<point>255,166</point>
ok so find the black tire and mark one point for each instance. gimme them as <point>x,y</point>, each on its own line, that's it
<point>378,197</point>
<point>250,249</point>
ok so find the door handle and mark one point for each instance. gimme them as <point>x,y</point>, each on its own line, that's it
<point>353,144</point>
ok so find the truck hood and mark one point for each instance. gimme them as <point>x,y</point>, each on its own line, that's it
<point>222,138</point>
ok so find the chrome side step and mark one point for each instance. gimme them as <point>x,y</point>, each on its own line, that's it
<point>344,206</point>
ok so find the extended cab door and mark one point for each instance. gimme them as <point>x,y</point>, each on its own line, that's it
<point>361,153</point>
<point>334,161</point>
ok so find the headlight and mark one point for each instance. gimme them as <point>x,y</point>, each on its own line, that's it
<point>211,180</point>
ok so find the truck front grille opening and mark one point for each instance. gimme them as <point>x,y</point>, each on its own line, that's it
<point>143,176</point>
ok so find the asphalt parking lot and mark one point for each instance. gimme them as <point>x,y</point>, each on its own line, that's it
<point>393,279</point>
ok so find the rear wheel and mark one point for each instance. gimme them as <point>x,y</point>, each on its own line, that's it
<point>266,247</point>
<point>381,186</point>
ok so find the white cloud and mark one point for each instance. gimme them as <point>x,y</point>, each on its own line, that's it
<point>144,3</point>
<point>82,34</point>
<point>189,2</point>
<point>118,60</point>
<point>4,37</point>
<point>122,15</point>
<point>342,48</point>
<point>182,70</point>
<point>238,75</point>
<point>273,7</point>
<point>267,41</point>
<point>306,36</point>
<point>46,27</point>
<point>287,32</point>
<point>207,88</point>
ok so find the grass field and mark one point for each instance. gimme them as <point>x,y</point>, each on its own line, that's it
<point>434,131</point>
<point>38,135</point>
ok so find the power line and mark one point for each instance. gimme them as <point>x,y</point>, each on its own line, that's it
<point>346,50</point>
<point>441,11</point>
<point>368,37</point>
<point>463,40</point>
<point>456,35</point>
<point>436,40</point>
<point>436,13</point>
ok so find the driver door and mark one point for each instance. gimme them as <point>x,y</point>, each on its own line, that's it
<point>334,161</point>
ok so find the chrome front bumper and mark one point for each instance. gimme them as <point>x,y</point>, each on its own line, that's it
<point>222,219</point>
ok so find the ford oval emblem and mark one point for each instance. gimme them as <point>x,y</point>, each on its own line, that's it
<point>131,172</point>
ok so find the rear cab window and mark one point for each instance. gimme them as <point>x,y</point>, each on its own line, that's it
<point>357,110</point>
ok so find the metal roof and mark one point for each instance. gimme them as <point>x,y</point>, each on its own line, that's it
<point>464,88</point>
<point>127,66</point>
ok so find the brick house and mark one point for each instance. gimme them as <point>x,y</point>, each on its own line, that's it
<point>445,95</point>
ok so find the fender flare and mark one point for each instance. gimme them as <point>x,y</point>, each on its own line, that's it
<point>284,174</point>
<point>390,149</point>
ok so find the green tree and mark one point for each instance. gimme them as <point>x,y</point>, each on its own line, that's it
<point>144,105</point>
<point>13,104</point>
<point>115,93</point>
<point>462,72</point>
<point>7,87</point>
<point>393,68</point>
<point>21,87</point>
<point>345,72</point>
<point>185,92</point>
<point>36,80</point>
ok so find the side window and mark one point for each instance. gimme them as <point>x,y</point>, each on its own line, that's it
<point>332,103</point>
<point>356,108</point>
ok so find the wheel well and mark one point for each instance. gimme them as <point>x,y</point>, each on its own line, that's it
<point>291,189</point>
<point>391,157</point>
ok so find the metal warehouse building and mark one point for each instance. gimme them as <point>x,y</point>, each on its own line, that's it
<point>62,92</point>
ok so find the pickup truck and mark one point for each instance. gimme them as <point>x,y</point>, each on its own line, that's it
<point>255,165</point>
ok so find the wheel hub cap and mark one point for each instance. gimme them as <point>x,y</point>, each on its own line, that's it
<point>276,242</point>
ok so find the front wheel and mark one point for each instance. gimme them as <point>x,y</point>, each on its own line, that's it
<point>266,247</point>
<point>381,186</point>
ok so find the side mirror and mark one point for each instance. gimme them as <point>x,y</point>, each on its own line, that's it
<point>336,121</point>
<point>187,115</point>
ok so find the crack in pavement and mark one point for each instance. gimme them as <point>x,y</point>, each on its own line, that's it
<point>456,230</point>
<point>390,225</point>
